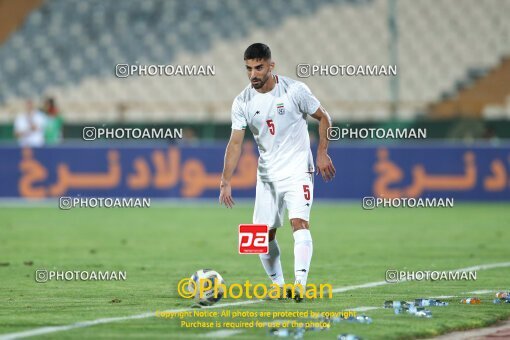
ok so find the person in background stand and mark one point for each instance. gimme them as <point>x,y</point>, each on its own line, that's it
<point>54,122</point>
<point>29,127</point>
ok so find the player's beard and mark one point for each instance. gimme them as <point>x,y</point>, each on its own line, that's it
<point>261,82</point>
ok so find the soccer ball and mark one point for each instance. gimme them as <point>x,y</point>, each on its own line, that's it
<point>208,297</point>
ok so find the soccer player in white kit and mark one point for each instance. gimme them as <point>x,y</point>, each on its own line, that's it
<point>275,109</point>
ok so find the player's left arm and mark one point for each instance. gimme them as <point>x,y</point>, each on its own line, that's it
<point>324,164</point>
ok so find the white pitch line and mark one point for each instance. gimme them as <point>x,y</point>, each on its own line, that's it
<point>54,329</point>
<point>222,333</point>
<point>362,309</point>
<point>479,292</point>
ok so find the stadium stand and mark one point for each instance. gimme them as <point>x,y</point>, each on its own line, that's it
<point>481,94</point>
<point>13,14</point>
<point>69,48</point>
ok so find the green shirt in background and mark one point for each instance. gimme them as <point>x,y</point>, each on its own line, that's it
<point>53,130</point>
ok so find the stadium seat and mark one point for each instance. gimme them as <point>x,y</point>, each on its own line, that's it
<point>84,40</point>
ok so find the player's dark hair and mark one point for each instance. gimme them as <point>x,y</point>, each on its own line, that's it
<point>257,51</point>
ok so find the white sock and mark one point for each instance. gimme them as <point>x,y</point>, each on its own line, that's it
<point>272,264</point>
<point>303,249</point>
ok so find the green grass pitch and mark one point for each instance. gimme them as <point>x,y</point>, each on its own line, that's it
<point>165,243</point>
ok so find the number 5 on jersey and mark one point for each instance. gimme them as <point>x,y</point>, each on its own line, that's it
<point>270,124</point>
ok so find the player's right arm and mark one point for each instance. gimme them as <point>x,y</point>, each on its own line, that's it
<point>232,155</point>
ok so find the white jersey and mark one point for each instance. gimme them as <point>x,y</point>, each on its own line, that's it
<point>277,120</point>
<point>31,137</point>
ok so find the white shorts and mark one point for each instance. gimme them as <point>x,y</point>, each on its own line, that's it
<point>295,193</point>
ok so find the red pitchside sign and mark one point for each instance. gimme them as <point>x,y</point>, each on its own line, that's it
<point>253,239</point>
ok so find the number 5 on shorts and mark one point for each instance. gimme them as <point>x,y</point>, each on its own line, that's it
<point>306,190</point>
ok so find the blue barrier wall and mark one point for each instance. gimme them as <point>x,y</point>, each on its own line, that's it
<point>463,172</point>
